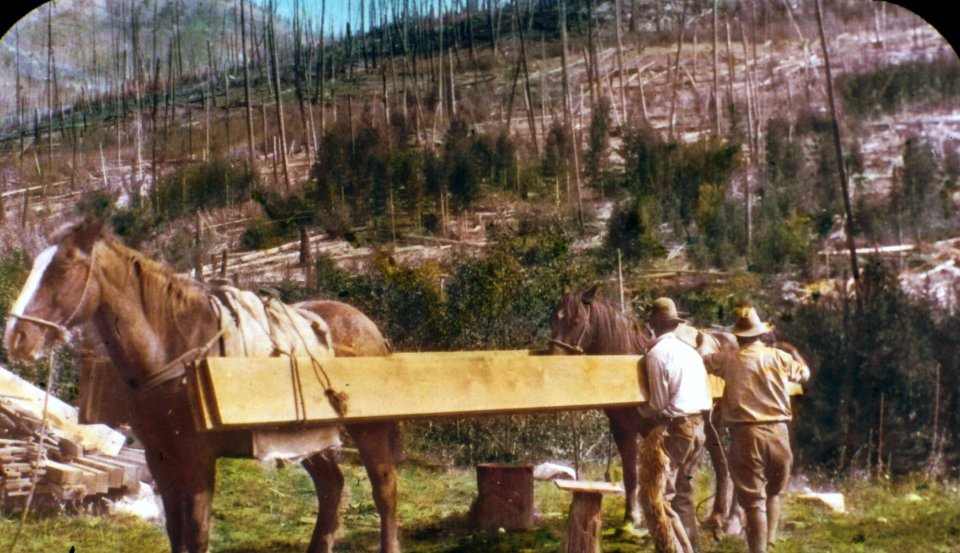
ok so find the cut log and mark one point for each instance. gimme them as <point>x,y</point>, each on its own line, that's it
<point>505,497</point>
<point>584,521</point>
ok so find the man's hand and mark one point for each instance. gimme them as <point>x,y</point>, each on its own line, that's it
<point>792,350</point>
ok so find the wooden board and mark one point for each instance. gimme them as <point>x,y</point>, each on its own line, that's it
<point>581,486</point>
<point>235,392</point>
<point>245,392</point>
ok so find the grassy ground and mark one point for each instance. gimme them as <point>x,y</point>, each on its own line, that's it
<point>266,510</point>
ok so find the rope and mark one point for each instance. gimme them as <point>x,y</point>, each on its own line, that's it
<point>338,400</point>
<point>41,453</point>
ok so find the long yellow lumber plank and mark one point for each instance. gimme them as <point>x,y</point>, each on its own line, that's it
<point>261,391</point>
<point>245,392</point>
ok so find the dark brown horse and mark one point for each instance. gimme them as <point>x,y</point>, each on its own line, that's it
<point>583,323</point>
<point>149,321</point>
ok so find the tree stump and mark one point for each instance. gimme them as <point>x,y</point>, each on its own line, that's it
<point>584,521</point>
<point>505,497</point>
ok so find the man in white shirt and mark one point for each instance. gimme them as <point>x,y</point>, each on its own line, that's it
<point>679,394</point>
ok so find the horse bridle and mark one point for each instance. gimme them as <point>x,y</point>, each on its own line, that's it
<point>574,348</point>
<point>63,328</point>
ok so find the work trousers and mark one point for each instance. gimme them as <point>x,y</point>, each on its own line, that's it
<point>683,444</point>
<point>760,462</point>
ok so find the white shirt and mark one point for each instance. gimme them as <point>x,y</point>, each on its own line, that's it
<point>677,378</point>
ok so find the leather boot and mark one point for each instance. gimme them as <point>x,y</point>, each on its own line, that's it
<point>756,530</point>
<point>773,518</point>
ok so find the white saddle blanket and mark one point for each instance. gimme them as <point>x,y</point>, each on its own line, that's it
<point>265,327</point>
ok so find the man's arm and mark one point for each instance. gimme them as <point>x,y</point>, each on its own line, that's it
<point>714,363</point>
<point>658,386</point>
<point>798,369</point>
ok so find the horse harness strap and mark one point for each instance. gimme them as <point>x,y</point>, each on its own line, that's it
<point>178,367</point>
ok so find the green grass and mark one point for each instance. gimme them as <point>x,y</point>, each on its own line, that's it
<point>268,510</point>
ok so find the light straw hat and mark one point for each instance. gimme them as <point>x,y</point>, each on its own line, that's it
<point>665,310</point>
<point>749,324</point>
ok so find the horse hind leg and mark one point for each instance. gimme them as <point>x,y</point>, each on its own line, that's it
<point>379,445</point>
<point>625,437</point>
<point>328,481</point>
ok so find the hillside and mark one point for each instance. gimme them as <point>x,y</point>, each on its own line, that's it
<point>772,68</point>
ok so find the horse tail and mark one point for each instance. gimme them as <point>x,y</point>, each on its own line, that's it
<point>652,473</point>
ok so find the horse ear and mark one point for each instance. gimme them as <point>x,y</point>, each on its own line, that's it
<point>87,233</point>
<point>590,294</point>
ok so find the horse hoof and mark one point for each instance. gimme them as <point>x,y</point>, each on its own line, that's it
<point>628,531</point>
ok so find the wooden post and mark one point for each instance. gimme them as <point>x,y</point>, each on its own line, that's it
<point>505,497</point>
<point>198,258</point>
<point>304,246</point>
<point>584,521</point>
<point>880,468</point>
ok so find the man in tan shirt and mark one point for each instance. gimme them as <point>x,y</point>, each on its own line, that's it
<point>756,406</point>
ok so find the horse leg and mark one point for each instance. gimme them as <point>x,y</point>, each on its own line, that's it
<point>723,496</point>
<point>187,497</point>
<point>328,481</point>
<point>198,503</point>
<point>625,436</point>
<point>171,515</point>
<point>379,445</point>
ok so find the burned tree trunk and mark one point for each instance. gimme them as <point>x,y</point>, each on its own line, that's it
<point>246,85</point>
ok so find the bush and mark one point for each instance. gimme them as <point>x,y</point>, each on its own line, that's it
<point>632,229</point>
<point>785,244</point>
<point>133,224</point>
<point>14,268</point>
<point>888,350</point>
<point>671,173</point>
<point>216,183</point>
<point>891,88</point>
<point>720,229</point>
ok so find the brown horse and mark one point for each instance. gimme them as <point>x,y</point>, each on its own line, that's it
<point>583,323</point>
<point>151,321</point>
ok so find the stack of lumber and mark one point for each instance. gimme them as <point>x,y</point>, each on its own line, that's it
<point>71,465</point>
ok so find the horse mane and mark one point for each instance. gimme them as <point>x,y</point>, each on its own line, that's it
<point>159,285</point>
<point>613,331</point>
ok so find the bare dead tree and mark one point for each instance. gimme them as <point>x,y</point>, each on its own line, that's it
<point>623,94</point>
<point>676,69</point>
<point>280,123</point>
<point>246,85</point>
<point>841,168</point>
<point>716,74</point>
<point>568,118</point>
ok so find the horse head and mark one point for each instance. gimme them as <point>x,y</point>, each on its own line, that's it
<point>61,292</point>
<point>570,329</point>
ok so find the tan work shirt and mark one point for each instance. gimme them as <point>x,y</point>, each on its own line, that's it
<point>755,382</point>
